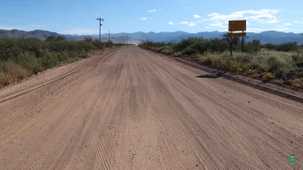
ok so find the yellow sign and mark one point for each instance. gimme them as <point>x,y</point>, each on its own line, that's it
<point>237,25</point>
<point>236,28</point>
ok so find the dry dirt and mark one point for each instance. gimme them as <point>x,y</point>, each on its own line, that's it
<point>133,109</point>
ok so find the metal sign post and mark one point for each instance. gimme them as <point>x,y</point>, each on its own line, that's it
<point>236,29</point>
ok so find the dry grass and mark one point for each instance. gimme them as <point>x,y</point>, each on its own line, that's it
<point>12,72</point>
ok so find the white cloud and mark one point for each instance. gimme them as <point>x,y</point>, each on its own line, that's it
<point>152,11</point>
<point>196,16</point>
<point>263,15</point>
<point>143,18</point>
<point>297,22</point>
<point>288,24</point>
<point>171,23</point>
<point>188,23</point>
<point>254,17</point>
<point>193,21</point>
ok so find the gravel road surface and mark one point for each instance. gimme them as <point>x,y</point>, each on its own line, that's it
<point>128,108</point>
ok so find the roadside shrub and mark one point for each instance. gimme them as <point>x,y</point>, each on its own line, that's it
<point>292,46</point>
<point>298,59</point>
<point>192,46</point>
<point>29,61</point>
<point>184,44</point>
<point>280,66</point>
<point>217,45</point>
<point>297,83</point>
<point>268,76</point>
<point>20,58</point>
<point>14,71</point>
<point>166,50</point>
<point>252,47</point>
<point>188,51</point>
<point>54,38</point>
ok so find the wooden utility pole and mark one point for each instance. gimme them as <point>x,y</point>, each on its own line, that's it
<point>101,20</point>
<point>109,36</point>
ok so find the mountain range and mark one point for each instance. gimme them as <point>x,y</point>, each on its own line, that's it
<point>273,37</point>
<point>40,34</point>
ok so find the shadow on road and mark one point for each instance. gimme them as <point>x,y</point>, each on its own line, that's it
<point>209,76</point>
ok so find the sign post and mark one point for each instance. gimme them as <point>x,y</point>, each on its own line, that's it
<point>236,29</point>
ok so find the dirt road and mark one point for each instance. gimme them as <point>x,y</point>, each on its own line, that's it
<point>132,109</point>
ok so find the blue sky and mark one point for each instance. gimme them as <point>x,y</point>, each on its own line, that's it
<point>78,16</point>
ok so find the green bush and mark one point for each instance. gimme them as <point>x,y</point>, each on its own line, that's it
<point>192,46</point>
<point>20,58</point>
<point>29,61</point>
<point>166,50</point>
<point>293,46</point>
<point>252,47</point>
<point>217,45</point>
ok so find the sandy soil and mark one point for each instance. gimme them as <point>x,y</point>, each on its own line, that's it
<point>133,109</point>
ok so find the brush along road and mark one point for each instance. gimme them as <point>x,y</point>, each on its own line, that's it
<point>132,109</point>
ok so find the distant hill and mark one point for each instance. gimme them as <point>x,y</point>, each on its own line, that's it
<point>40,34</point>
<point>273,37</point>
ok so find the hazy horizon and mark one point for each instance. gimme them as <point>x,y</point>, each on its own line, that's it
<point>106,34</point>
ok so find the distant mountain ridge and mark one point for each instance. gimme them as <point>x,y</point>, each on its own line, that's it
<point>40,34</point>
<point>273,37</point>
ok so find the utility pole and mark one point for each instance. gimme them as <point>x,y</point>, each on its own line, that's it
<point>101,20</point>
<point>109,38</point>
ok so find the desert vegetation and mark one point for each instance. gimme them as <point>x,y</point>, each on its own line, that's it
<point>20,58</point>
<point>281,64</point>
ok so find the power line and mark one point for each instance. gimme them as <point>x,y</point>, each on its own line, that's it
<point>101,20</point>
